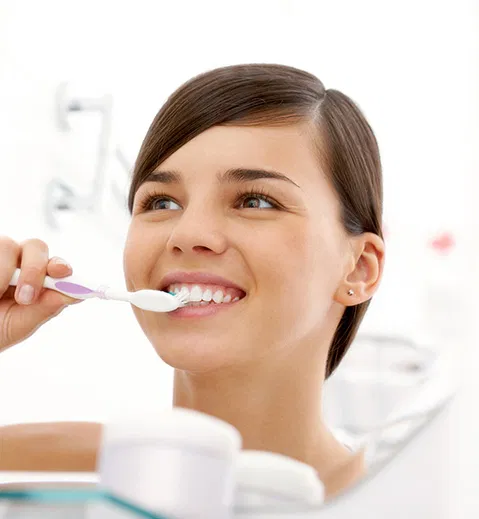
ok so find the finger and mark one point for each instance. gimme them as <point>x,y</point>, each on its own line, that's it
<point>33,269</point>
<point>10,252</point>
<point>58,268</point>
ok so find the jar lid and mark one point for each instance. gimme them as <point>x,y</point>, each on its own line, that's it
<point>183,427</point>
<point>278,475</point>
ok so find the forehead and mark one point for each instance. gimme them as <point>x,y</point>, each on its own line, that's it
<point>288,149</point>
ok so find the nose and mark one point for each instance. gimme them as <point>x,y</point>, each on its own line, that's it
<point>197,231</point>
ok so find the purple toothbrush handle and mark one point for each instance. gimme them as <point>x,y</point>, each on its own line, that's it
<point>73,288</point>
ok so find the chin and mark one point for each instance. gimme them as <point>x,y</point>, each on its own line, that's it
<point>196,356</point>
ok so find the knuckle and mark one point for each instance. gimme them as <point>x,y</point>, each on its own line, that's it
<point>8,244</point>
<point>34,254</point>
<point>7,329</point>
<point>32,272</point>
<point>37,244</point>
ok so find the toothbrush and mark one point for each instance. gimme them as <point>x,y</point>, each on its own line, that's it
<point>152,300</point>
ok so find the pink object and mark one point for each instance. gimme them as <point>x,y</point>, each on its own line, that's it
<point>188,312</point>
<point>443,243</point>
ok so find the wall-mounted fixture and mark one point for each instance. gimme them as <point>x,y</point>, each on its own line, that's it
<point>60,194</point>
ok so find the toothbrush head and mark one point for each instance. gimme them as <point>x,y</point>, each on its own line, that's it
<point>182,298</point>
<point>157,300</point>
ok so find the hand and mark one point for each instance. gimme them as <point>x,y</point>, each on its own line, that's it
<point>24,308</point>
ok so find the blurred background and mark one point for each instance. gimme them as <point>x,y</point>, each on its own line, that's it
<point>80,83</point>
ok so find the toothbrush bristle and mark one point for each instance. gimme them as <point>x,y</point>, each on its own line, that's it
<point>181,298</point>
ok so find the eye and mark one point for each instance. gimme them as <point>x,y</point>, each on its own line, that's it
<point>256,201</point>
<point>158,203</point>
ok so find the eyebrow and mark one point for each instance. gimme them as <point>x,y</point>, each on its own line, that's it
<point>230,176</point>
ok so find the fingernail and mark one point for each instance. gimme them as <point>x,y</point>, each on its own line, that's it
<point>25,296</point>
<point>61,261</point>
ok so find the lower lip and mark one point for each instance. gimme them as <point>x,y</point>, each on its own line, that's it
<point>201,311</point>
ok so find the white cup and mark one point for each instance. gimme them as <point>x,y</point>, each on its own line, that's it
<point>267,482</point>
<point>180,464</point>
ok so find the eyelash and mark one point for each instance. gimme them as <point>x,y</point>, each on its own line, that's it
<point>241,195</point>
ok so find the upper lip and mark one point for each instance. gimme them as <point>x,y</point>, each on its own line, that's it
<point>204,278</point>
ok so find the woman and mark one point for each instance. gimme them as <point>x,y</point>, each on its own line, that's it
<point>260,192</point>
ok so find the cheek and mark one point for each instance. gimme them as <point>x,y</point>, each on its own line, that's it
<point>285,266</point>
<point>130,261</point>
<point>301,273</point>
<point>142,249</point>
<point>290,300</point>
<point>296,257</point>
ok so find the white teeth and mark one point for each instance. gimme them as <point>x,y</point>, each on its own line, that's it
<point>218,296</point>
<point>196,294</point>
<point>199,303</point>
<point>207,295</point>
<point>184,293</point>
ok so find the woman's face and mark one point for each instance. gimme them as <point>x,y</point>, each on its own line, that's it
<point>252,206</point>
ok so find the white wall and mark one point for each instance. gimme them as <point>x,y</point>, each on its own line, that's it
<point>412,67</point>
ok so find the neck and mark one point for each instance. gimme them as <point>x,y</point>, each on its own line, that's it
<point>275,408</point>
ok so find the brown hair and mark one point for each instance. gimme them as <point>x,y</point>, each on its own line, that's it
<point>266,94</point>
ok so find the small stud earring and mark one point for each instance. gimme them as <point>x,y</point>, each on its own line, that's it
<point>350,292</point>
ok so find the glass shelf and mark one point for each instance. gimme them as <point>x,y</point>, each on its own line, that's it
<point>48,502</point>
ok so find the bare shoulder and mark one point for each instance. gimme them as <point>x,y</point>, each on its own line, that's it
<point>50,446</point>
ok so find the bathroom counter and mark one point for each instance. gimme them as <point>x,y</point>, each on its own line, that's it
<point>40,495</point>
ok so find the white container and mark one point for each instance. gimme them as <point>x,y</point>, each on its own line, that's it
<point>180,464</point>
<point>267,482</point>
<point>377,374</point>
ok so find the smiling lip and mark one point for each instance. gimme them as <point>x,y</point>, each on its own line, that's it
<point>204,278</point>
<point>188,312</point>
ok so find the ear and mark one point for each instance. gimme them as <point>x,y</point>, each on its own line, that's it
<point>363,272</point>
